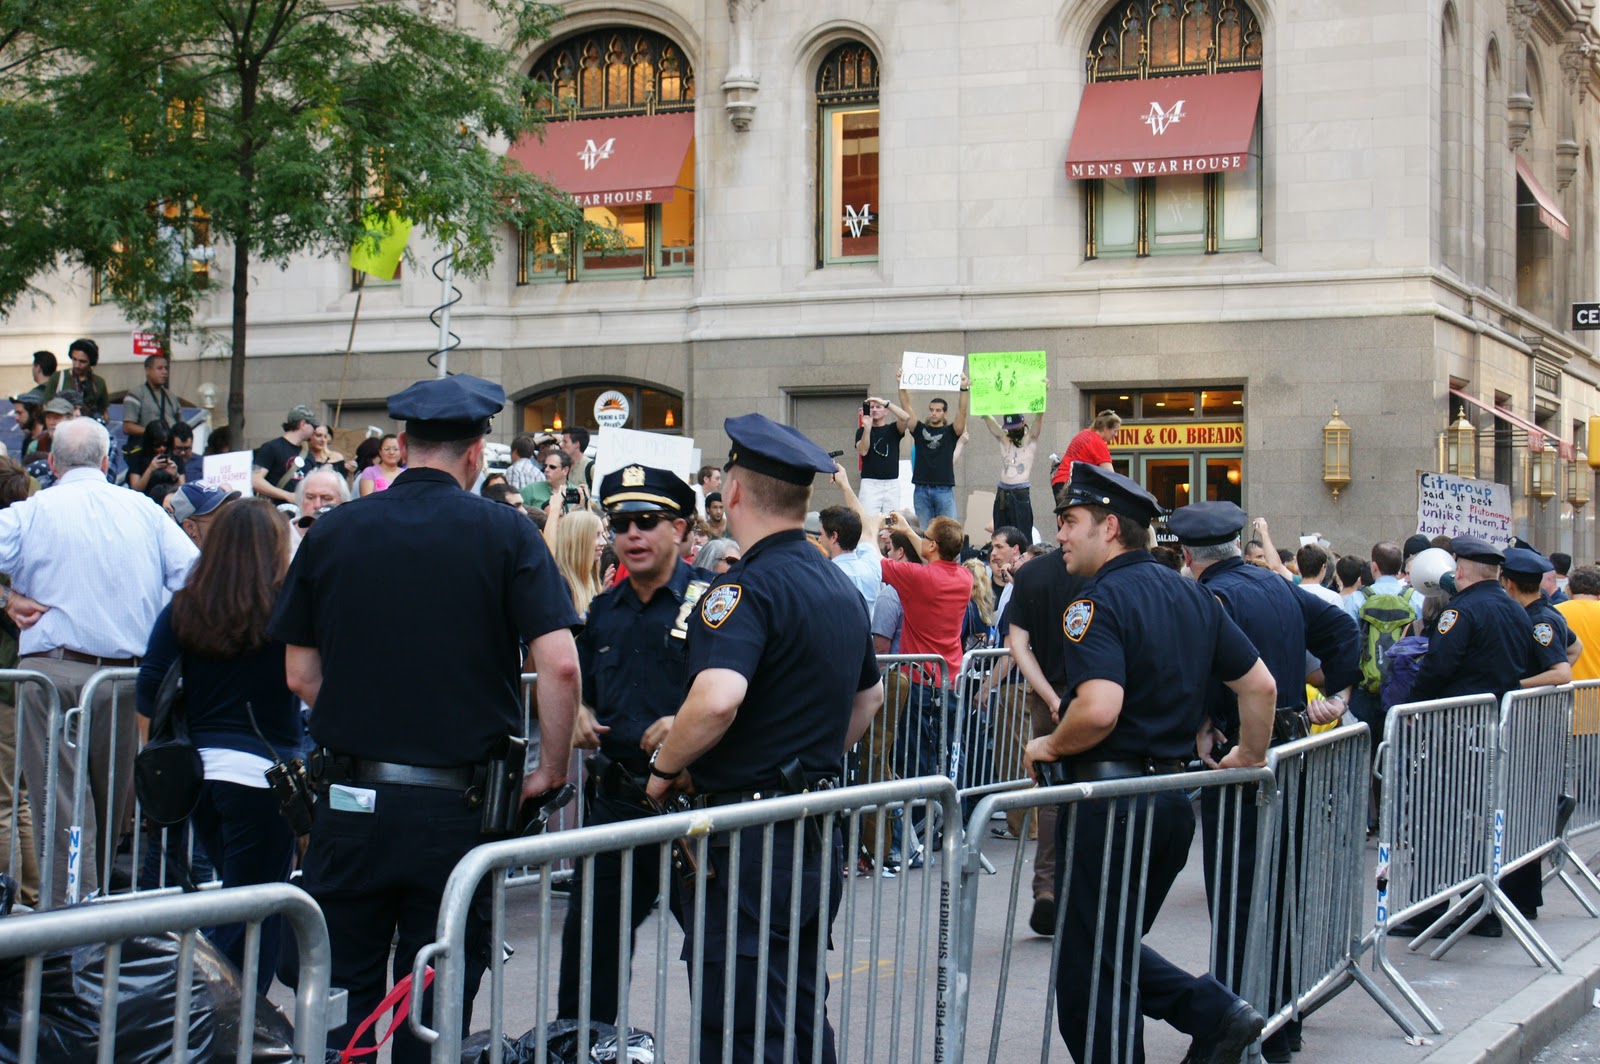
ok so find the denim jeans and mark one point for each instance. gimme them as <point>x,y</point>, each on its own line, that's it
<point>933,500</point>
<point>922,739</point>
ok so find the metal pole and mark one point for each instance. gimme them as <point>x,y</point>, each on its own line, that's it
<point>444,312</point>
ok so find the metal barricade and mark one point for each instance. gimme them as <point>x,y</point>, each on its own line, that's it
<point>1316,904</point>
<point>571,815</point>
<point>1585,790</point>
<point>913,728</point>
<point>1108,852</point>
<point>884,961</point>
<point>1436,766</point>
<point>992,724</point>
<point>34,935</point>
<point>31,823</point>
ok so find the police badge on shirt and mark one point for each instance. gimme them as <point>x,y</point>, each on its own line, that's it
<point>1075,622</point>
<point>1544,632</point>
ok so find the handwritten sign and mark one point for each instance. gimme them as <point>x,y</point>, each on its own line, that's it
<point>620,447</point>
<point>1456,506</point>
<point>230,471</point>
<point>1007,382</point>
<point>923,372</point>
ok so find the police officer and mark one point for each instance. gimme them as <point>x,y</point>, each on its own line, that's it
<point>633,654</point>
<point>405,748</point>
<point>1284,623</point>
<point>1484,642</point>
<point>1145,642</point>
<point>782,682</point>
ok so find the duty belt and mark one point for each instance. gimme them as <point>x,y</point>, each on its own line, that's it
<point>716,798</point>
<point>327,767</point>
<point>1100,771</point>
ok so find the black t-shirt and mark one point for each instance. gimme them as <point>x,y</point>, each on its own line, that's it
<point>934,461</point>
<point>882,460</point>
<point>1040,592</point>
<point>445,704</point>
<point>278,456</point>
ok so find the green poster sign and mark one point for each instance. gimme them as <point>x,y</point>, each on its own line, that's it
<point>1007,382</point>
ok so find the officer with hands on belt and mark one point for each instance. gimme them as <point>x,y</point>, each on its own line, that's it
<point>1284,623</point>
<point>782,682</point>
<point>633,651</point>
<point>1145,644</point>
<point>411,760</point>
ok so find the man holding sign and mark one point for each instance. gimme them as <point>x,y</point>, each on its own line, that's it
<point>933,453</point>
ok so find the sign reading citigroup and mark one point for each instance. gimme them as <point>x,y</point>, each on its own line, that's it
<point>1183,436</point>
<point>1456,506</point>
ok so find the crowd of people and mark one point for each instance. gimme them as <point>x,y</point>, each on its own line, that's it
<point>668,624</point>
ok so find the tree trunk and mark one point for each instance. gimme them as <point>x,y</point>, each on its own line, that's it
<point>241,297</point>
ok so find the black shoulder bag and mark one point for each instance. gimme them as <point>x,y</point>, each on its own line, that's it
<point>168,772</point>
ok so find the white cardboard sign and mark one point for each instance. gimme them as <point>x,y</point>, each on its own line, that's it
<point>620,447</point>
<point>1455,506</point>
<point>230,471</point>
<point>924,372</point>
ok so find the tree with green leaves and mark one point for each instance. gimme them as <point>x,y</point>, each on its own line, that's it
<point>132,130</point>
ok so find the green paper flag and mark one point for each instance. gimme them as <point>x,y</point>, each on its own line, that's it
<point>384,259</point>
<point>1007,382</point>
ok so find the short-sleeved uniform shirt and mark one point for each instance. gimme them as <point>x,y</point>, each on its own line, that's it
<point>1550,627</point>
<point>793,625</point>
<point>283,461</point>
<point>933,460</point>
<point>634,657</point>
<point>463,580</point>
<point>882,460</point>
<point>1162,638</point>
<point>1040,593</point>
<point>1483,642</point>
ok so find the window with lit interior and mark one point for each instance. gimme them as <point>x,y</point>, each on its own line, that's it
<point>848,207</point>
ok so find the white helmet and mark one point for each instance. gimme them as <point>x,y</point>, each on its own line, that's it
<point>1428,568</point>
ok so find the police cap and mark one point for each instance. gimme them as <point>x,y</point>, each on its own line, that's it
<point>1476,549</point>
<point>448,408</point>
<point>761,445</point>
<point>1524,562</point>
<point>1206,524</point>
<point>1092,486</point>
<point>645,489</point>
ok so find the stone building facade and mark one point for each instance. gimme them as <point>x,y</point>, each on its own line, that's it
<point>1393,222</point>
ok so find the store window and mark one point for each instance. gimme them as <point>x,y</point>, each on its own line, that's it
<point>1205,192</point>
<point>1183,444</point>
<point>848,207</point>
<point>637,406</point>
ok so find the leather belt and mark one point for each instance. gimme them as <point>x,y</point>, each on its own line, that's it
<point>716,798</point>
<point>334,768</point>
<point>63,654</point>
<point>1100,771</point>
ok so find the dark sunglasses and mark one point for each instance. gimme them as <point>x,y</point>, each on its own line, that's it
<point>646,522</point>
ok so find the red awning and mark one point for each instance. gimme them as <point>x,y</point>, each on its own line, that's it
<point>1549,213</point>
<point>1192,125</point>
<point>611,162</point>
<point>1567,451</point>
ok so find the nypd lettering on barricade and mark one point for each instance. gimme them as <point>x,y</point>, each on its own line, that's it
<point>1199,164</point>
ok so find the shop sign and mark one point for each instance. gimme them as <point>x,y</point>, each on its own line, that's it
<point>1182,436</point>
<point>611,409</point>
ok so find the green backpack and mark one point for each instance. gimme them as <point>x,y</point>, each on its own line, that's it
<point>1383,619</point>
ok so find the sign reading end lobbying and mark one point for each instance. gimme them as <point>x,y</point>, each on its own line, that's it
<point>1585,316</point>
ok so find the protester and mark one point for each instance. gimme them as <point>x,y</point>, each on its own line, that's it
<point>717,556</point>
<point>933,453</point>
<point>879,429</point>
<point>1312,561</point>
<point>523,470</point>
<point>1092,445</point>
<point>44,367</point>
<point>321,455</point>
<point>574,444</point>
<point>706,483</point>
<point>180,446</point>
<point>1019,444</point>
<point>319,492</point>
<point>1562,564</point>
<point>1582,613</point>
<point>151,466</point>
<point>856,555</point>
<point>28,408</point>
<point>195,506</point>
<point>716,519</point>
<point>382,473</point>
<point>150,403</point>
<point>93,397</point>
<point>576,543</point>
<point>280,463</point>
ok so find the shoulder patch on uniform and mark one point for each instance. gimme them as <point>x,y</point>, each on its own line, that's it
<point>1544,631</point>
<point>1447,620</point>
<point>1075,622</point>
<point>719,603</point>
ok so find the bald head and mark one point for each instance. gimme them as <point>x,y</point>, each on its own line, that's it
<point>79,443</point>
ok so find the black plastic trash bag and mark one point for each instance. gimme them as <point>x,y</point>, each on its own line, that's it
<point>562,1044</point>
<point>74,986</point>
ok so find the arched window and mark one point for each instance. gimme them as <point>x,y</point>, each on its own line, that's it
<point>641,407</point>
<point>593,80</point>
<point>848,208</point>
<point>1183,212</point>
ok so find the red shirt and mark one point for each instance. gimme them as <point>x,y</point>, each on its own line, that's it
<point>1087,446</point>
<point>934,598</point>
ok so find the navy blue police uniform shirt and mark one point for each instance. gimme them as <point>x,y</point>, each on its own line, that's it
<point>1550,628</point>
<point>421,600</point>
<point>1484,642</point>
<point>790,622</point>
<point>1159,636</point>
<point>1040,594</point>
<point>1283,622</point>
<point>634,657</point>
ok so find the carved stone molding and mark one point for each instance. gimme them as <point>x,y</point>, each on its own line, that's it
<point>742,82</point>
<point>1519,120</point>
<point>1520,14</point>
<point>1567,152</point>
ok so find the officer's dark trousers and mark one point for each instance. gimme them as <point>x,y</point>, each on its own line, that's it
<point>1192,1004</point>
<point>1014,507</point>
<point>604,935</point>
<point>377,873</point>
<point>746,928</point>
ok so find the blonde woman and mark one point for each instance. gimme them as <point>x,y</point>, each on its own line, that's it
<point>577,544</point>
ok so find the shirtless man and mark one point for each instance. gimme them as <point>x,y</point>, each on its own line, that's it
<point>1019,444</point>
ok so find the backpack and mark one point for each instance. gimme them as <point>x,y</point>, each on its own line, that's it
<point>168,771</point>
<point>1404,661</point>
<point>1383,620</point>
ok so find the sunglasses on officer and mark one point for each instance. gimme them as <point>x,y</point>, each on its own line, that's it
<point>646,522</point>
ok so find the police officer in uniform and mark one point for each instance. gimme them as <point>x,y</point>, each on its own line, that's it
<point>1484,642</point>
<point>405,750</point>
<point>782,682</point>
<point>1284,623</point>
<point>633,651</point>
<point>1145,644</point>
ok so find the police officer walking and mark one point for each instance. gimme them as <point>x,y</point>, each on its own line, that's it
<point>1146,642</point>
<point>633,651</point>
<point>1284,623</point>
<point>782,682</point>
<point>407,753</point>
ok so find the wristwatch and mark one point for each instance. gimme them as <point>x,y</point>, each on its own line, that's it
<point>5,596</point>
<point>656,772</point>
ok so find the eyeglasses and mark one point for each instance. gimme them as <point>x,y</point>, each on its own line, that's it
<point>646,522</point>
<point>553,466</point>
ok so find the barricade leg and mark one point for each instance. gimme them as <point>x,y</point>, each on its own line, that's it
<point>17,830</point>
